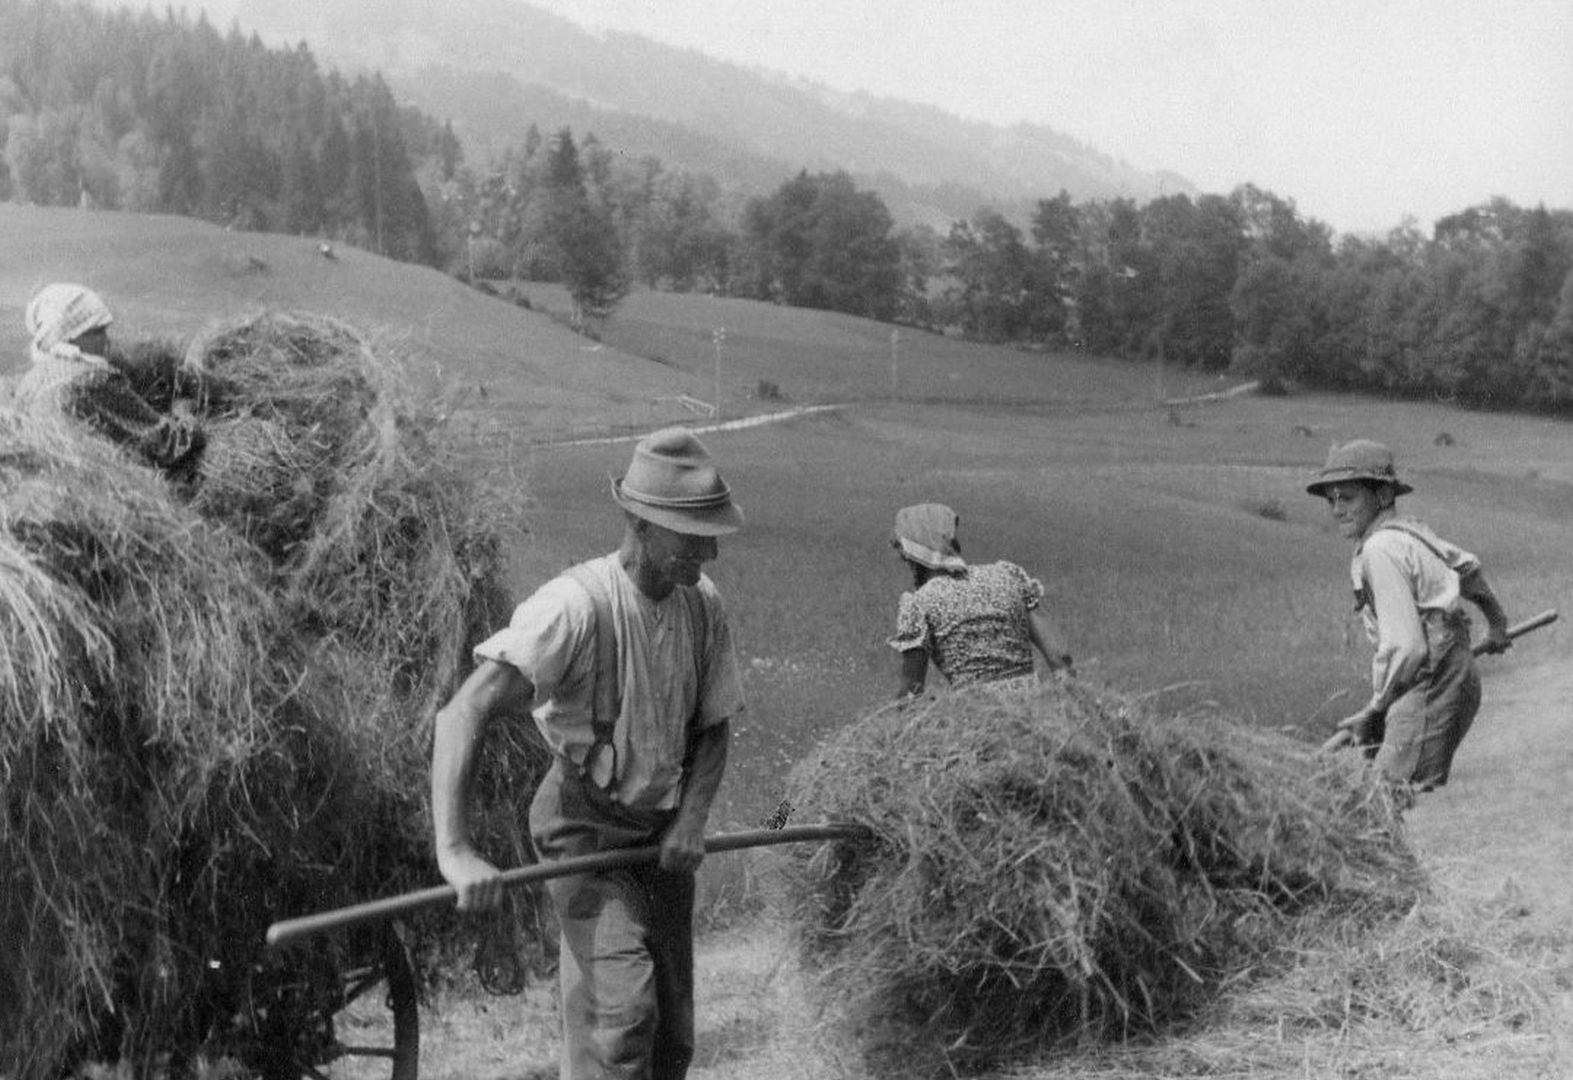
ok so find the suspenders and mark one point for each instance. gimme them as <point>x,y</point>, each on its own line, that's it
<point>1363,594</point>
<point>607,701</point>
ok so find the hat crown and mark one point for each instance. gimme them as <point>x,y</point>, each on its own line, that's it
<point>672,482</point>
<point>1361,455</point>
<point>1364,458</point>
<point>672,468</point>
<point>1359,459</point>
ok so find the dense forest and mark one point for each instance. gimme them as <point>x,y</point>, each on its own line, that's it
<point>164,113</point>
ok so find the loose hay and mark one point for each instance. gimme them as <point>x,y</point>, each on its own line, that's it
<point>217,709</point>
<point>1069,867</point>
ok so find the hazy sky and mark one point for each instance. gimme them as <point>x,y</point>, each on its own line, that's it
<point>1361,111</point>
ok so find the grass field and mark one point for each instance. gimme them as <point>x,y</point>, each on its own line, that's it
<point>1180,559</point>
<point>1177,545</point>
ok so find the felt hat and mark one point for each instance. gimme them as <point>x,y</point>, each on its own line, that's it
<point>926,534</point>
<point>58,314</point>
<point>1361,459</point>
<point>672,483</point>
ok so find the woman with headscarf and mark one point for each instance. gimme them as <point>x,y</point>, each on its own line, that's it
<point>70,376</point>
<point>976,624</point>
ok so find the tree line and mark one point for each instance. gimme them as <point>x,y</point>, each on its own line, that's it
<point>161,114</point>
<point>149,113</point>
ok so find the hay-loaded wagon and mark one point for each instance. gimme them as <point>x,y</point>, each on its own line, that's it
<point>216,693</point>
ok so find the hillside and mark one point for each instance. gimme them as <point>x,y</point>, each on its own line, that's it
<point>499,370</point>
<point>496,66</point>
<point>1178,546</point>
<point>511,375</point>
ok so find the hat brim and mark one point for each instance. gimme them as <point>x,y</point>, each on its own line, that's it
<point>1319,487</point>
<point>714,521</point>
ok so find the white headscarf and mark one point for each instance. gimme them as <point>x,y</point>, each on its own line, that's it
<point>56,316</point>
<point>60,313</point>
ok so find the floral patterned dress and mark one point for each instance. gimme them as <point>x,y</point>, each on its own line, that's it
<point>974,625</point>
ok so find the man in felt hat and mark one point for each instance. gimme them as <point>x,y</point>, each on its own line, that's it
<point>627,662</point>
<point>1409,587</point>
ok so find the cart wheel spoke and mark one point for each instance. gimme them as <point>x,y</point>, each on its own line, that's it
<point>397,1033</point>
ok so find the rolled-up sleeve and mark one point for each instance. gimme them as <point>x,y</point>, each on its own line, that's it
<point>1031,588</point>
<point>543,635</point>
<point>912,629</point>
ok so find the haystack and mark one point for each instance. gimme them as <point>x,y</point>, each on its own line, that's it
<point>217,702</point>
<point>1067,867</point>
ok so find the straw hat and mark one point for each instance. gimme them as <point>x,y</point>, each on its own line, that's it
<point>926,534</point>
<point>672,483</point>
<point>1361,459</point>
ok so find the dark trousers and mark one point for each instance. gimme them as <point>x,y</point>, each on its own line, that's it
<point>1426,725</point>
<point>627,961</point>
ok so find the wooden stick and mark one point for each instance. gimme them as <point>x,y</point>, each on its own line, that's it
<point>289,931</point>
<point>1344,737</point>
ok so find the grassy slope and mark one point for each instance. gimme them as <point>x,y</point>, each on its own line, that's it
<point>497,366</point>
<point>1175,546</point>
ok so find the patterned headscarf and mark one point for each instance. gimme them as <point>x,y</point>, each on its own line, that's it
<point>61,313</point>
<point>926,534</point>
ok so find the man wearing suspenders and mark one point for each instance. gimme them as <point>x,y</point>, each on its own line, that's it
<point>1409,587</point>
<point>628,663</point>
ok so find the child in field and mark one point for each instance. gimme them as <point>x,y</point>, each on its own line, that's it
<point>1409,587</point>
<point>977,624</point>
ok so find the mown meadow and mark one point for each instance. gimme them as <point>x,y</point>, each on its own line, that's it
<point>1178,547</point>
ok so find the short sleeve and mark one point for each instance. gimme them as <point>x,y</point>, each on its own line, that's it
<point>544,634</point>
<point>912,630</point>
<point>1031,588</point>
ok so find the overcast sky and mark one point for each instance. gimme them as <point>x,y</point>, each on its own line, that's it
<point>1361,111</point>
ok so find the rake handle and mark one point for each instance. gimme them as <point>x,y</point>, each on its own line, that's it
<point>289,931</point>
<point>1345,737</point>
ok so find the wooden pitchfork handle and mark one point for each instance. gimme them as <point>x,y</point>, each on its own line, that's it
<point>1345,737</point>
<point>289,931</point>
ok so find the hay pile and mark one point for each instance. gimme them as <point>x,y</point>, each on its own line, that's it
<point>1068,867</point>
<point>217,702</point>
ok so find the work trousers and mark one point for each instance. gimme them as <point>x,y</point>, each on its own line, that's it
<point>1426,725</point>
<point>627,961</point>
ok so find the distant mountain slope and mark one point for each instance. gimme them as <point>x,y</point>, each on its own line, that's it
<point>496,66</point>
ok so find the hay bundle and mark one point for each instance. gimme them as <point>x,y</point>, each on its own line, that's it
<point>319,457</point>
<point>304,369</point>
<point>138,671</point>
<point>298,408</point>
<point>1066,867</point>
<point>262,479</point>
<point>203,731</point>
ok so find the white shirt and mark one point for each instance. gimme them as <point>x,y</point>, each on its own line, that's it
<point>1403,577</point>
<point>663,679</point>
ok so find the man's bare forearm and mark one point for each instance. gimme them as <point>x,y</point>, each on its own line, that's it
<point>460,726</point>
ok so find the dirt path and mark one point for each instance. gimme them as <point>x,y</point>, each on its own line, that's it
<point>1501,832</point>
<point>1504,823</point>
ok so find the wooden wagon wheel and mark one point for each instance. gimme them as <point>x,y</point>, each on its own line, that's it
<point>320,1040</point>
<point>392,973</point>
